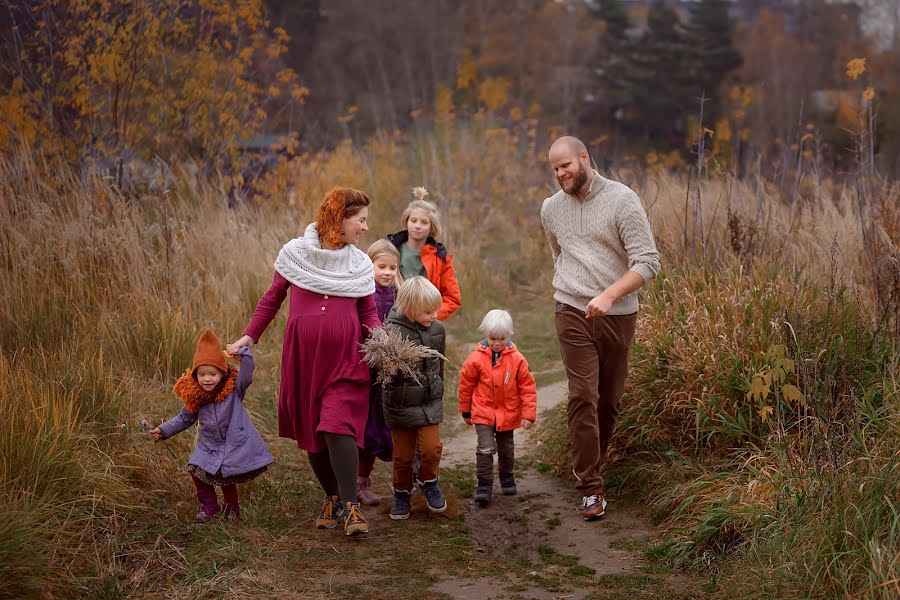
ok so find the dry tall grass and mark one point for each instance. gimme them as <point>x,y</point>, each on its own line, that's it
<point>103,296</point>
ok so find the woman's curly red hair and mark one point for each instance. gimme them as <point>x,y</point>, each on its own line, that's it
<point>339,204</point>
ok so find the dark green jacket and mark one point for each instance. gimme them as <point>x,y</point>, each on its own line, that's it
<point>408,404</point>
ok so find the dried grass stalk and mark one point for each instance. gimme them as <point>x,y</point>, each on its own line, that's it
<point>390,353</point>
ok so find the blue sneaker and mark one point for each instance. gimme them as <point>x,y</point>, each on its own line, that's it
<point>433,496</point>
<point>400,505</point>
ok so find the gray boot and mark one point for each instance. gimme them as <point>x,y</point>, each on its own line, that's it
<point>483,492</point>
<point>507,484</point>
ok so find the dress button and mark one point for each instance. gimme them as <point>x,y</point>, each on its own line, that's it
<point>323,308</point>
<point>326,297</point>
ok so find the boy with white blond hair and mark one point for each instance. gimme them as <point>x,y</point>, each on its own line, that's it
<point>498,395</point>
<point>413,407</point>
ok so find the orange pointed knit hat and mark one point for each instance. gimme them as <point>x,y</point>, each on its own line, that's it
<point>209,352</point>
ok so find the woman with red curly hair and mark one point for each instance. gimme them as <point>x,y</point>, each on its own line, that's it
<point>323,402</point>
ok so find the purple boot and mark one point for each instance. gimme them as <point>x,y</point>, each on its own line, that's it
<point>365,493</point>
<point>209,503</point>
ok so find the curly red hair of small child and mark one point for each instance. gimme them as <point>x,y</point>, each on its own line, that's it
<point>340,203</point>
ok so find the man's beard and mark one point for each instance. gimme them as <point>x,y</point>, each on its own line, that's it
<point>574,184</point>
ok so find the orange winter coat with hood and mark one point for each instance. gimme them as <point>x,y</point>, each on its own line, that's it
<point>500,395</point>
<point>438,265</point>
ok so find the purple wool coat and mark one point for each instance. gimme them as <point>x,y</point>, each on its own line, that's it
<point>227,441</point>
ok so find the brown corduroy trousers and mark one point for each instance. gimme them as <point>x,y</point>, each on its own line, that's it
<point>595,354</point>
<point>427,439</point>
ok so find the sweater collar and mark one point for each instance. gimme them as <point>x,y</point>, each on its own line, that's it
<point>597,185</point>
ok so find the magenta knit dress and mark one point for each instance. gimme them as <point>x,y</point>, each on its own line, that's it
<point>324,381</point>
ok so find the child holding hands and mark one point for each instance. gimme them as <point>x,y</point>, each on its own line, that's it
<point>229,450</point>
<point>498,394</point>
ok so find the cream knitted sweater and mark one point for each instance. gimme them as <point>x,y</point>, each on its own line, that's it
<point>597,240</point>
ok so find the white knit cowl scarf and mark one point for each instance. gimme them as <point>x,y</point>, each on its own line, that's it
<point>346,271</point>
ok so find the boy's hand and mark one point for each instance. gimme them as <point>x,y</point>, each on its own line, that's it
<point>526,424</point>
<point>468,421</point>
<point>156,434</point>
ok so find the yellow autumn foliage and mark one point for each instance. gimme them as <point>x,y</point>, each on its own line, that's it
<point>149,76</point>
<point>494,92</point>
<point>466,72</point>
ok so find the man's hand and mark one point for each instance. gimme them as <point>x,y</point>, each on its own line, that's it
<point>598,306</point>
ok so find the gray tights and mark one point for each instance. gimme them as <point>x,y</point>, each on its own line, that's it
<point>335,468</point>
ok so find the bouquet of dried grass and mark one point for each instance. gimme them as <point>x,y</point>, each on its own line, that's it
<point>390,353</point>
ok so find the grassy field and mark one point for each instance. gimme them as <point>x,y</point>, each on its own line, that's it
<point>103,297</point>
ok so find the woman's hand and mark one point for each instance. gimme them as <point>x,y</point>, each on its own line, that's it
<point>468,421</point>
<point>245,342</point>
<point>526,424</point>
<point>156,434</point>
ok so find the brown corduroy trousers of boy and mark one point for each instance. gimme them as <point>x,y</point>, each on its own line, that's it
<point>595,354</point>
<point>428,441</point>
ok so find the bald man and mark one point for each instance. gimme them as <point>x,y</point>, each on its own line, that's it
<point>603,252</point>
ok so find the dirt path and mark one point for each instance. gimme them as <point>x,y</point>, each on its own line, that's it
<point>558,555</point>
<point>529,546</point>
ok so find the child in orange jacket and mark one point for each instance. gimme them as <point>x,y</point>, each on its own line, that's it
<point>421,254</point>
<point>498,394</point>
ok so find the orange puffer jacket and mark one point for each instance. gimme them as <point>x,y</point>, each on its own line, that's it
<point>438,265</point>
<point>500,395</point>
<point>440,272</point>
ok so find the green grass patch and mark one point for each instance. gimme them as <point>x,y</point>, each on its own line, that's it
<point>552,557</point>
<point>625,580</point>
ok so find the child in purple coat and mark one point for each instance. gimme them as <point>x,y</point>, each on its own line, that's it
<point>377,441</point>
<point>229,450</point>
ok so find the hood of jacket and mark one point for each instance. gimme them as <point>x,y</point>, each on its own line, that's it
<point>485,347</point>
<point>401,237</point>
